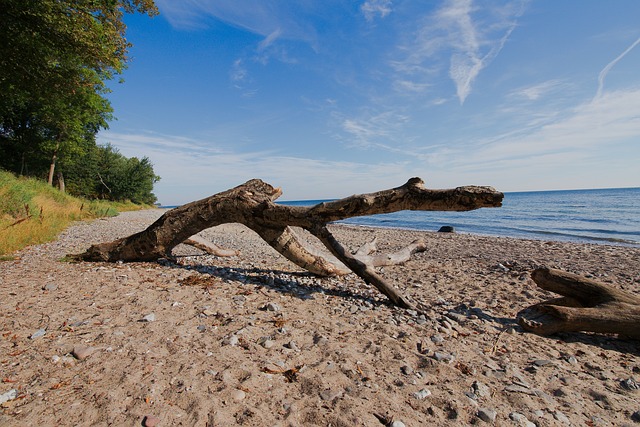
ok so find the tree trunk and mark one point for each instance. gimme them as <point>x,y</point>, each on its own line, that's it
<point>252,204</point>
<point>61,186</point>
<point>586,305</point>
<point>52,167</point>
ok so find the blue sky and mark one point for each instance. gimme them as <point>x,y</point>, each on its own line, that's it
<point>329,98</point>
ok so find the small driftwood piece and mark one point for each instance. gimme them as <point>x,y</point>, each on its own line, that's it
<point>586,305</point>
<point>252,204</point>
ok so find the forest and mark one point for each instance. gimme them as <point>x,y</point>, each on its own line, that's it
<point>56,62</point>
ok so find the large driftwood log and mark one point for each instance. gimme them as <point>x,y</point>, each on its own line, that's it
<point>252,204</point>
<point>587,305</point>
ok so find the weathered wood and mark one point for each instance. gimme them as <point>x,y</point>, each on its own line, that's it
<point>209,247</point>
<point>586,305</point>
<point>252,204</point>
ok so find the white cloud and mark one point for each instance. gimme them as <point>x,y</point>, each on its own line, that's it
<point>471,36</point>
<point>537,91</point>
<point>373,8</point>
<point>374,129</point>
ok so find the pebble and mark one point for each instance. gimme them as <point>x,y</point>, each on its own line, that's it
<point>397,423</point>
<point>438,339</point>
<point>238,395</point>
<point>636,416</point>
<point>266,342</point>
<point>50,287</point>
<point>272,306</point>
<point>150,421</point>
<point>202,328</point>
<point>424,393</point>
<point>231,340</point>
<point>406,370</point>
<point>443,357</point>
<point>10,395</point>
<point>37,334</point>
<point>480,389</point>
<point>561,417</point>
<point>521,419</point>
<point>81,352</point>
<point>487,415</point>
<point>630,384</point>
<point>149,318</point>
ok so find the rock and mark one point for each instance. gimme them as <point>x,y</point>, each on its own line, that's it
<point>150,421</point>
<point>329,394</point>
<point>424,393</point>
<point>443,357</point>
<point>231,340</point>
<point>50,287</point>
<point>201,328</point>
<point>446,229</point>
<point>238,395</point>
<point>9,395</point>
<point>397,423</point>
<point>438,339</point>
<point>266,342</point>
<point>149,318</point>
<point>521,419</point>
<point>635,416</point>
<point>561,417</point>
<point>271,306</point>
<point>37,334</point>
<point>541,362</point>
<point>406,370</point>
<point>480,389</point>
<point>487,415</point>
<point>81,352</point>
<point>291,345</point>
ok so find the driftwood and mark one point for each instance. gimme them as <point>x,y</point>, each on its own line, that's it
<point>252,204</point>
<point>587,305</point>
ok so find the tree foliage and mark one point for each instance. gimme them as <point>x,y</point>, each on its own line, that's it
<point>55,59</point>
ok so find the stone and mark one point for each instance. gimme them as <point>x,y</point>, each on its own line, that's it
<point>149,318</point>
<point>272,306</point>
<point>443,357</point>
<point>480,389</point>
<point>636,416</point>
<point>397,423</point>
<point>406,370</point>
<point>150,421</point>
<point>9,395</point>
<point>238,395</point>
<point>487,415</point>
<point>422,394</point>
<point>561,417</point>
<point>446,229</point>
<point>37,334</point>
<point>50,287</point>
<point>81,352</point>
<point>231,340</point>
<point>630,384</point>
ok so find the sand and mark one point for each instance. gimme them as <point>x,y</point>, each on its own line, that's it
<point>253,340</point>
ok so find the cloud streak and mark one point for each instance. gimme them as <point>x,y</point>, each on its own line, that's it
<point>610,65</point>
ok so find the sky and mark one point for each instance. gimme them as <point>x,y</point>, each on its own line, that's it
<point>330,98</point>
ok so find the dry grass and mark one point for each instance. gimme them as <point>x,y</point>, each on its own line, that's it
<point>31,212</point>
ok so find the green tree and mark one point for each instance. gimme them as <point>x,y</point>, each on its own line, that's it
<point>55,59</point>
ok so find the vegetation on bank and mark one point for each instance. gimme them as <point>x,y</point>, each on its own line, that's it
<point>56,58</point>
<point>33,212</point>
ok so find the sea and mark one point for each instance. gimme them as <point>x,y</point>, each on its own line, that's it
<point>604,216</point>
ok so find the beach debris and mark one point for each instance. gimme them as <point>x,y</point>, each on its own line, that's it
<point>290,375</point>
<point>586,305</point>
<point>252,204</point>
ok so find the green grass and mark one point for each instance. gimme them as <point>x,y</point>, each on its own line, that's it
<point>32,212</point>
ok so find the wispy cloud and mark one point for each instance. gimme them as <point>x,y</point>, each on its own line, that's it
<point>380,130</point>
<point>373,8</point>
<point>471,36</point>
<point>537,91</point>
<point>610,65</point>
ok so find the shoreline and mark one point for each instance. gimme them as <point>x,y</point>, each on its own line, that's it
<point>225,330</point>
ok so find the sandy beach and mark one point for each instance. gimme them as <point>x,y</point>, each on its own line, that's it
<point>253,340</point>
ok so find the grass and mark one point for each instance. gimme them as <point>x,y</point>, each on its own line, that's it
<point>32,212</point>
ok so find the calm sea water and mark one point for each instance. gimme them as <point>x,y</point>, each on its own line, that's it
<point>608,216</point>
